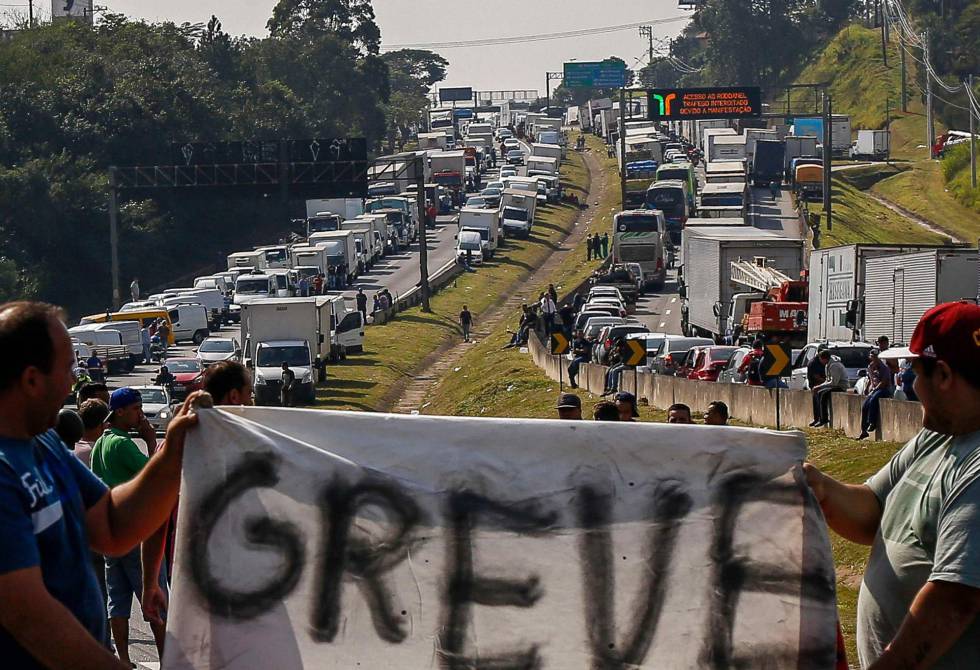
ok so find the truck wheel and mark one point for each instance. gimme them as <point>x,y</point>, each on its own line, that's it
<point>200,336</point>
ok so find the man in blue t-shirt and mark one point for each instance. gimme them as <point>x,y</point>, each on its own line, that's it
<point>53,509</point>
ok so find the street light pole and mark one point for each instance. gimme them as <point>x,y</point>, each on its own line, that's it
<point>114,237</point>
<point>423,233</point>
<point>973,139</point>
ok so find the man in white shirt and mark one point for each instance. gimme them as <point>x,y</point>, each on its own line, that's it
<point>548,311</point>
<point>835,381</point>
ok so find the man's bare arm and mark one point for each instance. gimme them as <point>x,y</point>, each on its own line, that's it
<point>939,615</point>
<point>851,510</point>
<point>31,615</point>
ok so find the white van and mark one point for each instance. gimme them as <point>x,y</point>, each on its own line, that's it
<point>211,298</point>
<point>219,282</point>
<point>190,322</point>
<point>469,244</point>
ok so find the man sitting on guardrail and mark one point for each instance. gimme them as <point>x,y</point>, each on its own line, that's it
<point>920,595</point>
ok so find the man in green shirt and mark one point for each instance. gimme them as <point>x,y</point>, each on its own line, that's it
<point>920,595</point>
<point>116,459</point>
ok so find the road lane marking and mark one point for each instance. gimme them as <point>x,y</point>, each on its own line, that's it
<point>667,312</point>
<point>662,324</point>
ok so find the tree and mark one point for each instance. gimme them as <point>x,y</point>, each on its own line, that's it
<point>411,74</point>
<point>350,20</point>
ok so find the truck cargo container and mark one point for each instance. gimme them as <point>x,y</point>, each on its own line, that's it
<point>900,289</point>
<point>797,146</point>
<point>346,208</point>
<point>753,135</point>
<point>711,132</point>
<point>707,289</point>
<point>837,289</point>
<point>767,163</point>
<point>872,144</point>
<point>726,148</point>
<point>840,131</point>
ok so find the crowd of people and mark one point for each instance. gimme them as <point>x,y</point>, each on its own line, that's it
<point>79,499</point>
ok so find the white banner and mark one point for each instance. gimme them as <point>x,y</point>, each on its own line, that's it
<point>352,540</point>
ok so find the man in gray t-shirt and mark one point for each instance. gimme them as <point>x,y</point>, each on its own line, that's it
<point>920,595</point>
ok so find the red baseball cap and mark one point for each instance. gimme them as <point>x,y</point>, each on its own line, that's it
<point>949,332</point>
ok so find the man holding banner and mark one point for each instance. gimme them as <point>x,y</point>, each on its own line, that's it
<point>920,595</point>
<point>52,508</point>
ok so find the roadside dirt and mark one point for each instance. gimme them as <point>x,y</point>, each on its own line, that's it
<point>416,392</point>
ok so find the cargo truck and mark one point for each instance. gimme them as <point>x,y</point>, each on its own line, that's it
<point>840,131</point>
<point>753,135</point>
<point>726,148</point>
<point>767,164</point>
<point>900,289</point>
<point>871,144</point>
<point>517,212</point>
<point>708,135</point>
<point>484,221</point>
<point>837,288</point>
<point>346,208</point>
<point>448,169</point>
<point>706,287</point>
<point>247,260</point>
<point>796,147</point>
<point>542,164</point>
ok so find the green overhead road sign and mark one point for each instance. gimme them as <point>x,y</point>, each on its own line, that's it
<point>604,74</point>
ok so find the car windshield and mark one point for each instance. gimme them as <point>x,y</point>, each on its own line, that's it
<point>491,192</point>
<point>217,346</point>
<point>515,214</point>
<point>852,357</point>
<point>666,199</point>
<point>152,396</point>
<point>252,286</point>
<point>476,202</point>
<point>516,153</point>
<point>275,255</point>
<point>721,353</point>
<point>180,366</point>
<point>295,355</point>
<point>641,223</point>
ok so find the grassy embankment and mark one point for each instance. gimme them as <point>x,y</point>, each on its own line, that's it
<point>868,91</point>
<point>505,383</point>
<point>396,350</point>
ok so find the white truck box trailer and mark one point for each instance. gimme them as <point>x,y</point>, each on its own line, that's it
<point>547,151</point>
<point>346,208</point>
<point>710,132</point>
<point>487,221</point>
<point>708,252</point>
<point>900,289</point>
<point>837,289</point>
<point>726,148</point>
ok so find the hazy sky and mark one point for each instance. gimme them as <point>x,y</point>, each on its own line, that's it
<point>501,67</point>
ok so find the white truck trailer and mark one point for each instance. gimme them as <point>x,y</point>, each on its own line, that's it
<point>708,252</point>
<point>484,221</point>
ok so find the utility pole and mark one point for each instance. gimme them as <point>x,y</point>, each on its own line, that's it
<point>884,32</point>
<point>930,128</point>
<point>888,127</point>
<point>622,146</point>
<point>828,140</point>
<point>30,13</point>
<point>114,236</point>
<point>973,139</point>
<point>647,31</point>
<point>423,237</point>
<point>901,53</point>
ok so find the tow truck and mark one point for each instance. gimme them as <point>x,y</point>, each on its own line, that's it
<point>776,310</point>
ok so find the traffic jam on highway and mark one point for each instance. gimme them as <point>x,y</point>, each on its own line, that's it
<point>712,215</point>
<point>303,304</point>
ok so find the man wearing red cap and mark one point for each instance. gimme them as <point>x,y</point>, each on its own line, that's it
<point>921,513</point>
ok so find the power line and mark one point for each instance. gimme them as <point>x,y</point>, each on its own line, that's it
<point>520,39</point>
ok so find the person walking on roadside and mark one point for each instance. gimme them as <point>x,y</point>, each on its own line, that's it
<point>553,292</point>
<point>134,289</point>
<point>569,407</point>
<point>163,330</point>
<point>581,353</point>
<point>288,378</point>
<point>548,312</point>
<point>605,244</point>
<point>361,301</point>
<point>567,316</point>
<point>465,321</point>
<point>145,342</point>
<point>880,385</point>
<point>835,381</point>
<point>589,247</point>
<point>116,459</point>
<point>920,513</point>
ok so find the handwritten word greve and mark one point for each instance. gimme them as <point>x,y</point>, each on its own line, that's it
<point>347,554</point>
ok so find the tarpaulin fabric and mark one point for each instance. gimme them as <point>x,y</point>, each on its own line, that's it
<point>351,540</point>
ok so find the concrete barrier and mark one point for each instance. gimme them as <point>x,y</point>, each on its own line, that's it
<point>901,420</point>
<point>845,411</point>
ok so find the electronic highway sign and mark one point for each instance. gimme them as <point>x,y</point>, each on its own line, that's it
<point>461,94</point>
<point>736,102</point>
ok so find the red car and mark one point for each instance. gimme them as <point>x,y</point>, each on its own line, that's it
<point>708,362</point>
<point>188,376</point>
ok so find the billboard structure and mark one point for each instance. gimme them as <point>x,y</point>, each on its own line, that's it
<point>76,10</point>
<point>605,74</point>
<point>462,94</point>
<point>671,104</point>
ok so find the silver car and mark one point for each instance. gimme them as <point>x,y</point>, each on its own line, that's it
<point>730,374</point>
<point>217,349</point>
